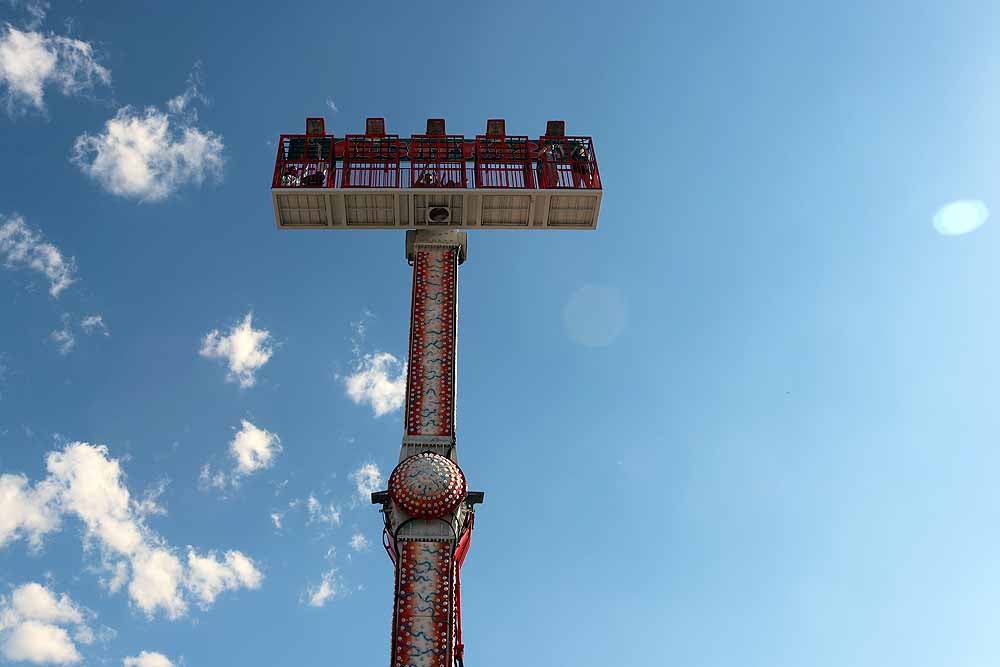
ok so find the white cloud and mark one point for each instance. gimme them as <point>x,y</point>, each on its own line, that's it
<point>25,511</point>
<point>84,635</point>
<point>33,641</point>
<point>379,380</point>
<point>253,448</point>
<point>30,623</point>
<point>183,104</point>
<point>276,518</point>
<point>359,542</point>
<point>244,348</point>
<point>367,479</point>
<point>317,512</point>
<point>31,62</point>
<point>24,248</point>
<point>208,478</point>
<point>209,576</point>
<point>63,338</point>
<point>84,481</point>
<point>93,323</point>
<point>36,602</point>
<point>328,588</point>
<point>147,659</point>
<point>156,582</point>
<point>961,217</point>
<point>145,156</point>
<point>91,486</point>
<point>149,154</point>
<point>333,105</point>
<point>35,10</point>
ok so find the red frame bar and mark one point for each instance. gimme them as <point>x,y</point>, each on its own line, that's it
<point>304,161</point>
<point>451,161</point>
<point>371,162</point>
<point>567,163</point>
<point>437,161</point>
<point>503,162</point>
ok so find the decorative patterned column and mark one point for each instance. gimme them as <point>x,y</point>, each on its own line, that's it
<point>427,509</point>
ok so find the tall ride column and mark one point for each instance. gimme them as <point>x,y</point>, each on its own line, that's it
<point>428,510</point>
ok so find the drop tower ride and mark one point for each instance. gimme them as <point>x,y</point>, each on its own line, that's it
<point>436,186</point>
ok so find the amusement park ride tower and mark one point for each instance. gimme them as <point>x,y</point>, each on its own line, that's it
<point>435,186</point>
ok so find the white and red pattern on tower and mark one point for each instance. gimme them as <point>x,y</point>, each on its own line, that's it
<point>434,185</point>
<point>428,519</point>
<point>430,380</point>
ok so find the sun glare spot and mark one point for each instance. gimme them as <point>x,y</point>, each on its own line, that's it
<point>960,217</point>
<point>595,316</point>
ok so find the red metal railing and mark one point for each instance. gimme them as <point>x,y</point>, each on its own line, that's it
<point>430,161</point>
<point>503,162</point>
<point>437,161</point>
<point>304,162</point>
<point>371,162</point>
<point>567,162</point>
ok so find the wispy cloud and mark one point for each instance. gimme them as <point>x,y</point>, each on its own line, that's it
<point>32,62</point>
<point>63,338</point>
<point>332,105</point>
<point>22,247</point>
<point>94,323</point>
<point>327,589</point>
<point>149,154</point>
<point>367,479</point>
<point>359,542</point>
<point>318,512</point>
<point>34,11</point>
<point>184,104</point>
<point>244,349</point>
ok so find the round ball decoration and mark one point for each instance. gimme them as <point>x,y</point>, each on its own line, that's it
<point>428,486</point>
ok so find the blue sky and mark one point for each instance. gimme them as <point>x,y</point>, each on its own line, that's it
<point>750,420</point>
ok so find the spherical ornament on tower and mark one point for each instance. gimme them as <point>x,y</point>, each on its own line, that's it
<point>428,486</point>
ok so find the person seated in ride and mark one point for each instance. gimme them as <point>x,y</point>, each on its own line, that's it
<point>427,179</point>
<point>548,156</point>
<point>583,170</point>
<point>314,179</point>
